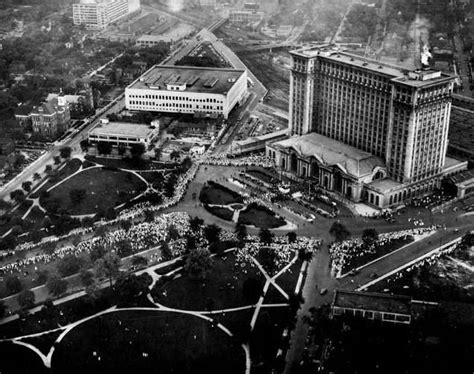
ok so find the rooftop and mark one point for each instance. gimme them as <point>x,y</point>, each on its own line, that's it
<point>384,185</point>
<point>48,108</point>
<point>328,151</point>
<point>122,129</point>
<point>399,74</point>
<point>265,137</point>
<point>372,301</point>
<point>463,178</point>
<point>195,79</point>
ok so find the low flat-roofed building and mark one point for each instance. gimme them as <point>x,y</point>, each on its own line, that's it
<point>257,143</point>
<point>187,89</point>
<point>375,306</point>
<point>464,183</point>
<point>123,134</point>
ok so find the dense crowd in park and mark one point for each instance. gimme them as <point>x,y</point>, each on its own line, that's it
<point>344,252</point>
<point>141,237</point>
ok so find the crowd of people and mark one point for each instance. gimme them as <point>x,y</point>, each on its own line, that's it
<point>284,250</point>
<point>221,159</point>
<point>141,237</point>
<point>427,261</point>
<point>343,253</point>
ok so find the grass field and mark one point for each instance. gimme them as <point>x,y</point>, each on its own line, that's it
<point>148,341</point>
<point>214,193</point>
<point>104,189</point>
<point>224,213</point>
<point>223,286</point>
<point>260,216</point>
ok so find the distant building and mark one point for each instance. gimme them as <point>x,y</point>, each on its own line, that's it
<point>388,127</point>
<point>123,134</point>
<point>146,41</point>
<point>208,3</point>
<point>237,17</point>
<point>464,183</point>
<point>51,118</point>
<point>22,116</point>
<point>186,89</point>
<point>97,14</point>
<point>7,147</point>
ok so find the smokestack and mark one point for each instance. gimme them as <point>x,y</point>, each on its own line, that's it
<point>425,57</point>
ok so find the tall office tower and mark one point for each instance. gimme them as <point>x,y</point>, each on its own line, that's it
<point>401,117</point>
<point>97,14</point>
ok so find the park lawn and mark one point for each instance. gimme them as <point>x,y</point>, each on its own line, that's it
<point>105,188</point>
<point>261,217</point>
<point>287,281</point>
<point>238,322</point>
<point>20,360</point>
<point>147,341</point>
<point>120,163</point>
<point>221,212</point>
<point>380,251</point>
<point>223,286</point>
<point>43,342</point>
<point>70,168</point>
<point>216,194</point>
<point>266,337</point>
<point>6,220</point>
<point>156,178</point>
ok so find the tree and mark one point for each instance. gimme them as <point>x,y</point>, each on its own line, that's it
<point>110,213</point>
<point>18,196</point>
<point>3,309</point>
<point>121,150</point>
<point>137,150</point>
<point>139,261</point>
<point>211,233</point>
<point>166,250</point>
<point>26,186</point>
<point>125,225</point>
<point>36,177</point>
<point>198,263</point>
<point>13,284</point>
<point>84,144</point>
<point>124,248</point>
<point>104,148</point>
<point>97,251</point>
<point>57,160</point>
<point>77,195</point>
<point>132,286</point>
<point>241,232</point>
<point>369,236</point>
<point>69,265</point>
<point>26,299</point>
<point>195,224</point>
<point>339,231</point>
<point>86,277</point>
<point>56,286</point>
<point>108,266</point>
<point>251,290</point>
<point>267,257</point>
<point>173,232</point>
<point>295,302</point>
<point>42,276</point>
<point>65,152</point>
<point>175,155</point>
<point>265,236</point>
<point>149,216</point>
<point>291,237</point>
<point>48,169</point>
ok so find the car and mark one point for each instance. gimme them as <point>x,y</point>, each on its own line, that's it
<point>354,272</point>
<point>374,275</point>
<point>323,291</point>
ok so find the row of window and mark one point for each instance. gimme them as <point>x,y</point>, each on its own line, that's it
<point>176,98</point>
